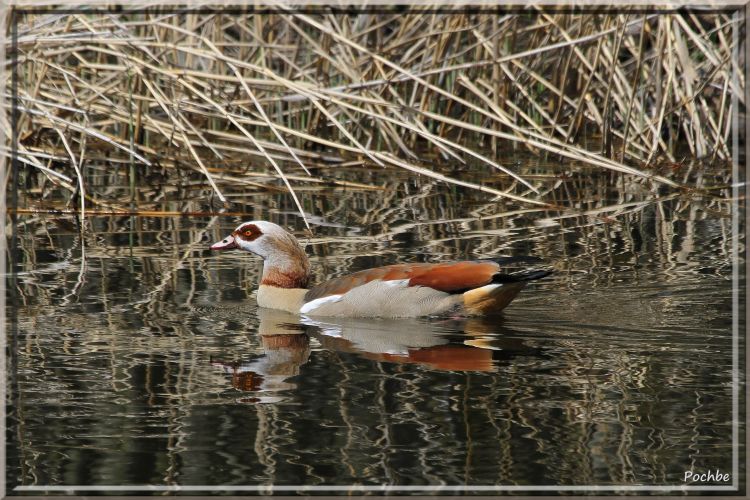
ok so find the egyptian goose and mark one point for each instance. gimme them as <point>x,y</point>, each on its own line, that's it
<point>402,290</point>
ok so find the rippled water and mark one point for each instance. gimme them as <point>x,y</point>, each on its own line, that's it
<point>141,358</point>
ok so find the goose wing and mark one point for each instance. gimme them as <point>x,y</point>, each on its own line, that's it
<point>452,277</point>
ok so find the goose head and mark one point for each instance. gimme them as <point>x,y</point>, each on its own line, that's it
<point>284,259</point>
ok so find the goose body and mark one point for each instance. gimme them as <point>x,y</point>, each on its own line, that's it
<point>479,287</point>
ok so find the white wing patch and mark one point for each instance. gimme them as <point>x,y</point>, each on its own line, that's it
<point>314,304</point>
<point>399,283</point>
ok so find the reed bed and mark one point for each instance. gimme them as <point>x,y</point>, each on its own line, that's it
<point>285,98</point>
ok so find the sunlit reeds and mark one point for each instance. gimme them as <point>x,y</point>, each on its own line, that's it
<point>246,99</point>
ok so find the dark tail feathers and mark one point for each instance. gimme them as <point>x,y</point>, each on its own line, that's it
<point>520,276</point>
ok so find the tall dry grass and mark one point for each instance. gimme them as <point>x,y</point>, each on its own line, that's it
<point>238,97</point>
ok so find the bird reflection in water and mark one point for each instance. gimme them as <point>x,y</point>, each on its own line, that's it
<point>469,344</point>
<point>286,347</point>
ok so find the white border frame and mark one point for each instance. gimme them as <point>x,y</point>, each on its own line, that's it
<point>270,489</point>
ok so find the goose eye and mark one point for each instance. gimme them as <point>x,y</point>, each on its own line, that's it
<point>248,233</point>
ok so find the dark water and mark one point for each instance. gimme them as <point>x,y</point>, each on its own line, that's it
<point>140,358</point>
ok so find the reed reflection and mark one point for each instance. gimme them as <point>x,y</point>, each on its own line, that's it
<point>618,371</point>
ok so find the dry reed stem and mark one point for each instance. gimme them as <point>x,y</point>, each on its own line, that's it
<point>386,88</point>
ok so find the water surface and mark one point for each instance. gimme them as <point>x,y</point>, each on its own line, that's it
<point>141,358</point>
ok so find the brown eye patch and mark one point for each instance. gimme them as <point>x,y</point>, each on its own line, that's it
<point>248,232</point>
